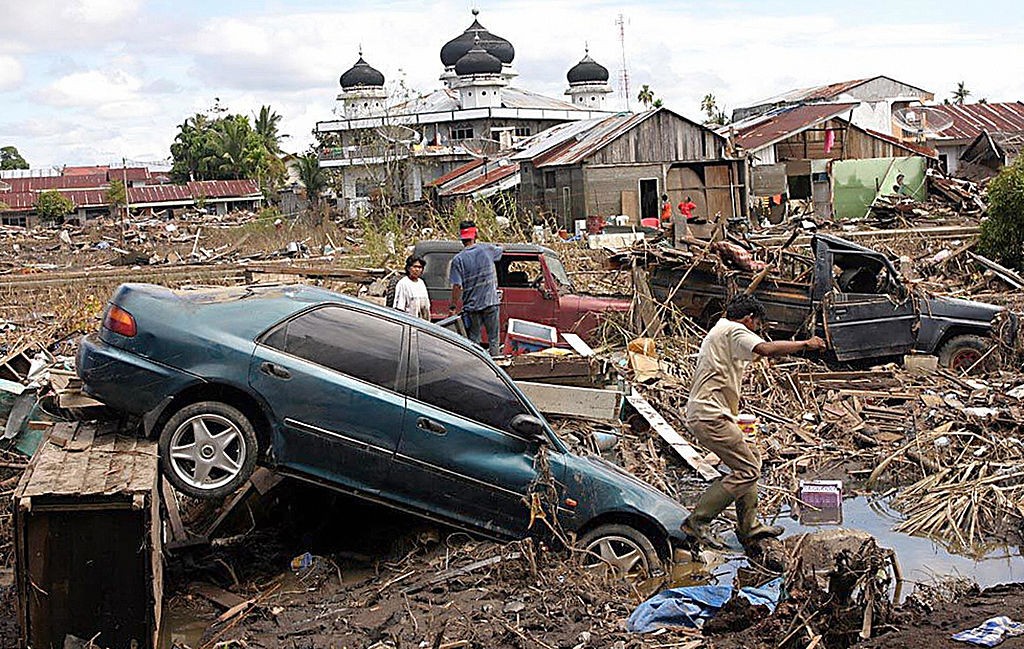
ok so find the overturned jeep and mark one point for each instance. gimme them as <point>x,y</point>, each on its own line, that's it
<point>852,296</point>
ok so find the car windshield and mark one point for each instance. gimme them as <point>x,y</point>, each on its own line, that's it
<point>558,273</point>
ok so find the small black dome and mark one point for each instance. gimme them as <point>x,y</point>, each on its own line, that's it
<point>362,74</point>
<point>587,71</point>
<point>477,61</point>
<point>459,46</point>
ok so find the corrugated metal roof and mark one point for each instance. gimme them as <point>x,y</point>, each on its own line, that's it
<point>765,130</point>
<point>825,92</point>
<point>547,139</point>
<point>93,170</point>
<point>456,172</point>
<point>223,188</point>
<point>925,151</point>
<point>478,183</point>
<point>969,120</point>
<point>42,183</point>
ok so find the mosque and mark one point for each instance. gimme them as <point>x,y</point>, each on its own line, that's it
<point>475,113</point>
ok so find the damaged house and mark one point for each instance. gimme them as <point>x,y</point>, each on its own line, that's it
<point>622,164</point>
<point>996,127</point>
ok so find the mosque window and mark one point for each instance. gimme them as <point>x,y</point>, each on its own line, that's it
<point>461,132</point>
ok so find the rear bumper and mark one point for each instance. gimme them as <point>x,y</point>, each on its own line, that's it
<point>126,381</point>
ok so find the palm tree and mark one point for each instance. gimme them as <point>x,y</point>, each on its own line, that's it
<point>960,94</point>
<point>231,145</point>
<point>708,105</point>
<point>646,96</point>
<point>266,129</point>
<point>312,177</point>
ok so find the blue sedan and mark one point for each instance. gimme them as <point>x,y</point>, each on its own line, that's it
<point>363,399</point>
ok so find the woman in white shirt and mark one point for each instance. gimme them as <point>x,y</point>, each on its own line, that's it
<point>411,291</point>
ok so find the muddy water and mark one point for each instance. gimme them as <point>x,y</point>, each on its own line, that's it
<point>921,559</point>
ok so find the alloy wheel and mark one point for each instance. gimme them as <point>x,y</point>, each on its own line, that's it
<point>207,451</point>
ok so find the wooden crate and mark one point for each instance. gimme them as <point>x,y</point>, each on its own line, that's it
<point>87,539</point>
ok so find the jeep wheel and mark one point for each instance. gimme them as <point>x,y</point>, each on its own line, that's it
<point>620,550</point>
<point>960,353</point>
<point>208,449</point>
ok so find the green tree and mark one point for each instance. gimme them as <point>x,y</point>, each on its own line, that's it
<point>708,105</point>
<point>116,195</point>
<point>191,149</point>
<point>52,206</point>
<point>645,96</point>
<point>312,177</point>
<point>11,159</point>
<point>960,94</point>
<point>266,126</point>
<point>1002,234</point>
<point>236,146</point>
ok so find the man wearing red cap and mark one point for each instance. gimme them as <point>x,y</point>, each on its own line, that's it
<point>475,285</point>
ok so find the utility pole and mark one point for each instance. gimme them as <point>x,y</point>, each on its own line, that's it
<point>124,181</point>
<point>623,71</point>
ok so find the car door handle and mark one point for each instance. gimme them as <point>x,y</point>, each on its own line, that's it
<point>430,425</point>
<point>274,370</point>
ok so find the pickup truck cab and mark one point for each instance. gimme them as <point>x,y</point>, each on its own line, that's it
<point>854,297</point>
<point>533,283</point>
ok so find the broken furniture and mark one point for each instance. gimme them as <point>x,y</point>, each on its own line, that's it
<point>87,539</point>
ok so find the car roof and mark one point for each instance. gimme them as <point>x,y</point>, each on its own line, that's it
<point>438,245</point>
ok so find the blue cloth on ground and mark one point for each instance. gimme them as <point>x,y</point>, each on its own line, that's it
<point>690,606</point>
<point>992,632</point>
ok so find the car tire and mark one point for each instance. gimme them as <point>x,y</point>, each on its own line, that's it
<point>961,352</point>
<point>624,550</point>
<point>219,461</point>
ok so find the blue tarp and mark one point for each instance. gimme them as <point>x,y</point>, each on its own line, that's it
<point>692,605</point>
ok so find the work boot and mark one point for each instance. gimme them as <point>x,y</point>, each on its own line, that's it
<point>748,528</point>
<point>712,503</point>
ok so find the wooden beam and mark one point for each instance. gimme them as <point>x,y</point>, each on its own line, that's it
<point>672,438</point>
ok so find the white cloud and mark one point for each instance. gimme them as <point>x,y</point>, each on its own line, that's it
<point>93,88</point>
<point>11,73</point>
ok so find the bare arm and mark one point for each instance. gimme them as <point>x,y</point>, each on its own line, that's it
<point>456,297</point>
<point>786,347</point>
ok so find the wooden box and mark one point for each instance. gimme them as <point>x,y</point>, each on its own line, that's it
<point>87,539</point>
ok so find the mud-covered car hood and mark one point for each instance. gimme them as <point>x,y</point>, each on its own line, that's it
<point>948,307</point>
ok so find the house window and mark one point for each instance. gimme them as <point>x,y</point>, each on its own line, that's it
<point>549,180</point>
<point>461,132</point>
<point>522,131</point>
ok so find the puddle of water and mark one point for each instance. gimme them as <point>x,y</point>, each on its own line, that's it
<point>179,625</point>
<point>921,559</point>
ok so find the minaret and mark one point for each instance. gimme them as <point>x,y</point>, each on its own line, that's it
<point>479,79</point>
<point>588,83</point>
<point>362,90</point>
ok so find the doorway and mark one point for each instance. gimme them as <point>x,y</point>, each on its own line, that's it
<point>648,198</point>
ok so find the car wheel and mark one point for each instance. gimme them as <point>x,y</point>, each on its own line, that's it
<point>962,352</point>
<point>208,449</point>
<point>621,550</point>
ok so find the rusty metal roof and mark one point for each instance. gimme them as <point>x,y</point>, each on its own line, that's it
<point>478,183</point>
<point>43,183</point>
<point>830,91</point>
<point>223,188</point>
<point>456,172</point>
<point>765,130</point>
<point>969,120</point>
<point>146,195</point>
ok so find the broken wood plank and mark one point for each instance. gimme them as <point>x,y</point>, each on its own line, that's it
<point>178,532</point>
<point>572,401</point>
<point>458,572</point>
<point>577,344</point>
<point>217,595</point>
<point>1002,272</point>
<point>673,438</point>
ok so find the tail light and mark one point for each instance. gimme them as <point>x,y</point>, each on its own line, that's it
<point>119,321</point>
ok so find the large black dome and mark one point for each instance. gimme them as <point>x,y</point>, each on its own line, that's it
<point>459,46</point>
<point>587,71</point>
<point>477,61</point>
<point>362,74</point>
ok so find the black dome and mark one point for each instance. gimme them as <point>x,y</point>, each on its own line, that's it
<point>477,61</point>
<point>459,46</point>
<point>362,74</point>
<point>587,71</point>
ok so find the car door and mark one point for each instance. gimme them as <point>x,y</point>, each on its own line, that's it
<point>868,325</point>
<point>458,457</point>
<point>526,290</point>
<point>333,378</point>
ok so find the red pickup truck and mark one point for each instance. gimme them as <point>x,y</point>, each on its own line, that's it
<point>533,284</point>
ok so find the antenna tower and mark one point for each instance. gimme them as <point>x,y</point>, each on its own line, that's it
<point>623,72</point>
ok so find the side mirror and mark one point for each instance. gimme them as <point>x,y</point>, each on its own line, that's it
<point>529,427</point>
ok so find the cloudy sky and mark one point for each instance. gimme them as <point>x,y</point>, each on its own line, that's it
<point>92,81</point>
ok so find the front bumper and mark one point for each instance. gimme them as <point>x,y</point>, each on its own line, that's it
<point>126,381</point>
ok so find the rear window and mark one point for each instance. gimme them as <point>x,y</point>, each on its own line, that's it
<point>435,273</point>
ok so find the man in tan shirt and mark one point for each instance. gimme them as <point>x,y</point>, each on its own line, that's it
<point>711,413</point>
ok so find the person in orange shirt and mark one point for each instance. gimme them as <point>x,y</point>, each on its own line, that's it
<point>666,209</point>
<point>686,207</point>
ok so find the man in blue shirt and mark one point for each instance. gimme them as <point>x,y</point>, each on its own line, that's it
<point>475,284</point>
